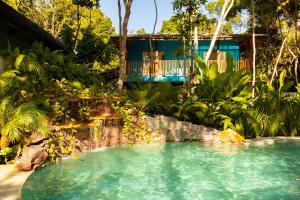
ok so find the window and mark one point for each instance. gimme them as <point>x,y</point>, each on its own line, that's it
<point>216,55</point>
<point>147,56</point>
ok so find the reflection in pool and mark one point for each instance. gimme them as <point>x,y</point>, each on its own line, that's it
<point>173,171</point>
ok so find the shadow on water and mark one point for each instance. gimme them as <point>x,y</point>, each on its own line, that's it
<point>172,179</point>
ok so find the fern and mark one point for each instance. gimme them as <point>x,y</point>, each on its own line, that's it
<point>26,118</point>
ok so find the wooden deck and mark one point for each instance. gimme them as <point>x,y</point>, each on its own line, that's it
<point>173,68</point>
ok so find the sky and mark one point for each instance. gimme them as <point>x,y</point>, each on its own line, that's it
<point>142,15</point>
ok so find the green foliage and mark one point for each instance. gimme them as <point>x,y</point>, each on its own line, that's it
<point>38,83</point>
<point>141,31</point>
<point>206,23</point>
<point>276,112</point>
<point>187,14</point>
<point>60,109</point>
<point>155,99</point>
<point>59,18</point>
<point>60,144</point>
<point>86,3</point>
<point>134,126</point>
<point>171,25</point>
<point>224,100</point>
<point>92,48</point>
<point>16,121</point>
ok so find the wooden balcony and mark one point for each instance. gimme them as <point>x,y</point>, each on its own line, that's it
<point>175,68</point>
<point>238,65</point>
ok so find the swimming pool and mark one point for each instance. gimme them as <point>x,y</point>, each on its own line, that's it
<point>173,171</point>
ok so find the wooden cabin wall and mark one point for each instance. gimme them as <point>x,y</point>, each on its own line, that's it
<point>169,48</point>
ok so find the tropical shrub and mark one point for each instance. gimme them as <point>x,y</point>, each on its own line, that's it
<point>60,144</point>
<point>277,112</point>
<point>36,84</point>
<point>223,100</point>
<point>153,98</point>
<point>219,99</point>
<point>134,125</point>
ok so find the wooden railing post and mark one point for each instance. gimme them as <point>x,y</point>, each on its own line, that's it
<point>175,67</point>
<point>156,65</point>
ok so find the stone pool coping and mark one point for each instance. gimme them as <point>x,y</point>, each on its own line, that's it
<point>12,181</point>
<point>263,141</point>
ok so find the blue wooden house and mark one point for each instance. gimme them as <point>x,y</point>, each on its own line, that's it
<point>167,63</point>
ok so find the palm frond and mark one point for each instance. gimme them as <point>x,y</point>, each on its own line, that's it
<point>26,118</point>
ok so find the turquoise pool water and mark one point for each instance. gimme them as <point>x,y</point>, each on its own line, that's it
<point>174,171</point>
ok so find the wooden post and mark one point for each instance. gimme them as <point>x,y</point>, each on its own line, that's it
<point>184,61</point>
<point>195,40</point>
<point>156,65</point>
<point>190,59</point>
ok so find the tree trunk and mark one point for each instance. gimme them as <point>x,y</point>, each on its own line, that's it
<point>153,66</point>
<point>254,48</point>
<point>120,28</point>
<point>195,40</point>
<point>190,59</point>
<point>123,43</point>
<point>268,48</point>
<point>296,64</point>
<point>277,61</point>
<point>78,28</point>
<point>225,10</point>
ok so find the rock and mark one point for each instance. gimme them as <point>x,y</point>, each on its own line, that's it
<point>173,130</point>
<point>230,136</point>
<point>76,149</point>
<point>33,157</point>
<point>36,138</point>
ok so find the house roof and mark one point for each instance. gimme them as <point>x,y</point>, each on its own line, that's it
<point>174,36</point>
<point>19,22</point>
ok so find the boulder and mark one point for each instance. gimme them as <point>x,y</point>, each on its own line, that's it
<point>230,136</point>
<point>173,130</point>
<point>32,158</point>
<point>36,138</point>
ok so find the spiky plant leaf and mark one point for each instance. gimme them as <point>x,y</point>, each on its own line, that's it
<point>281,79</point>
<point>213,71</point>
<point>19,61</point>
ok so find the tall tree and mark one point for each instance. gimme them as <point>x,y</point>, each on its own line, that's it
<point>225,10</point>
<point>59,17</point>
<point>150,41</point>
<point>141,31</point>
<point>189,13</point>
<point>123,39</point>
<point>277,19</point>
<point>253,48</point>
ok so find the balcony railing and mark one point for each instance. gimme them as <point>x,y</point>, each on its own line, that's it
<point>176,67</point>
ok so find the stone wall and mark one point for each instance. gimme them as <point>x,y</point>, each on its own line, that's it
<point>170,129</point>
<point>161,129</point>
